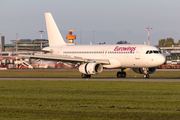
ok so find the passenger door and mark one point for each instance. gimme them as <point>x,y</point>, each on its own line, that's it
<point>137,52</point>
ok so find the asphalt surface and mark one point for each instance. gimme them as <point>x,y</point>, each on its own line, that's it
<point>133,79</point>
<point>98,79</point>
<point>76,69</point>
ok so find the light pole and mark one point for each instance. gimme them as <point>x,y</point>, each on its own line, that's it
<point>16,50</point>
<point>148,33</point>
<point>41,38</point>
<point>16,43</point>
<point>93,38</point>
<point>80,37</point>
<point>1,45</point>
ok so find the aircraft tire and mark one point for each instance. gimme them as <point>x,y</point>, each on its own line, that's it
<point>88,76</point>
<point>146,75</point>
<point>85,76</point>
<point>119,75</point>
<point>123,75</point>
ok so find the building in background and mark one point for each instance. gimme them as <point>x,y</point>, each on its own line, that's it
<point>27,44</point>
<point>23,46</point>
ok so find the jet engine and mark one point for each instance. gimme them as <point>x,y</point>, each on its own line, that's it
<point>91,68</point>
<point>140,70</point>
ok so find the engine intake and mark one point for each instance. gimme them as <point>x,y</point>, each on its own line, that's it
<point>140,70</point>
<point>91,68</point>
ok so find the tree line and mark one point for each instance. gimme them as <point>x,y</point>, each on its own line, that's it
<point>168,42</point>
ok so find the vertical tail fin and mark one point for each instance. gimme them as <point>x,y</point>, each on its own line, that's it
<point>54,36</point>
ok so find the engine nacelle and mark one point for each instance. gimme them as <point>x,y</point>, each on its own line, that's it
<point>91,68</point>
<point>140,70</point>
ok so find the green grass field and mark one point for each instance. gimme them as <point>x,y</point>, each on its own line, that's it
<point>76,73</point>
<point>89,100</point>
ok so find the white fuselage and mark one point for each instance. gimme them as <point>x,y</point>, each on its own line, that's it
<point>119,56</point>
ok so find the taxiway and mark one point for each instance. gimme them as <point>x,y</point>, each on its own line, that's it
<point>98,79</point>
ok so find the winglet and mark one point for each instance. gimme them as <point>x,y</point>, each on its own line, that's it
<point>54,36</point>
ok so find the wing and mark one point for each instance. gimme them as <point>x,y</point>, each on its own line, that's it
<point>66,58</point>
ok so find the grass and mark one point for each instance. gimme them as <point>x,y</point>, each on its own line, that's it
<point>76,73</point>
<point>89,100</point>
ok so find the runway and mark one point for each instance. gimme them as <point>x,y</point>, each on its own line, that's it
<point>97,79</point>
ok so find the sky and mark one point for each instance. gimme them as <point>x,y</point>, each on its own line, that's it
<point>111,20</point>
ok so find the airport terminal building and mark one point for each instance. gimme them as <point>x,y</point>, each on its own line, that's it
<point>174,57</point>
<point>19,46</point>
<point>27,44</point>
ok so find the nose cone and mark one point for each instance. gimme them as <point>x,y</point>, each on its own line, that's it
<point>161,60</point>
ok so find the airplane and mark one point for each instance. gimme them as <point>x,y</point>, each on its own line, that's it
<point>92,59</point>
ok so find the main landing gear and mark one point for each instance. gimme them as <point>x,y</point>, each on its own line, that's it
<point>121,74</point>
<point>85,76</point>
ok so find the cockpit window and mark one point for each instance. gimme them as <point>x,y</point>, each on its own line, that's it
<point>147,52</point>
<point>153,51</point>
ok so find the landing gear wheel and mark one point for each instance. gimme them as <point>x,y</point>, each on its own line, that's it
<point>88,76</point>
<point>121,74</point>
<point>146,75</point>
<point>85,76</point>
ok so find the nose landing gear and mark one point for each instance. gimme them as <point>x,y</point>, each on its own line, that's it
<point>146,72</point>
<point>146,75</point>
